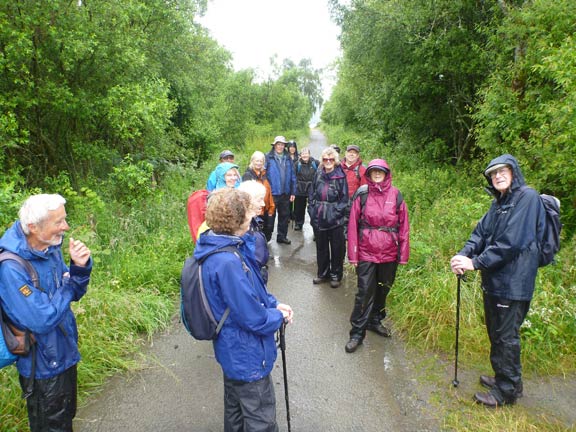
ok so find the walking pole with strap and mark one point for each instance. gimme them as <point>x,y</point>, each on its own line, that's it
<point>455,382</point>
<point>283,349</point>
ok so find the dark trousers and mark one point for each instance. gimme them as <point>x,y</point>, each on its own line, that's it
<point>330,251</point>
<point>52,405</point>
<point>268,225</point>
<point>503,320</point>
<point>374,283</point>
<point>249,406</point>
<point>300,209</point>
<point>282,203</point>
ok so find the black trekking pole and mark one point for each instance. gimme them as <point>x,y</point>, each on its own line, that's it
<point>455,382</point>
<point>283,349</point>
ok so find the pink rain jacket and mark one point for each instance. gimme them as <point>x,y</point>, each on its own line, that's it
<point>373,244</point>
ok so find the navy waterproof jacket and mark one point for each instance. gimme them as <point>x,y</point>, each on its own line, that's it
<point>245,347</point>
<point>504,244</point>
<point>46,314</point>
<point>288,187</point>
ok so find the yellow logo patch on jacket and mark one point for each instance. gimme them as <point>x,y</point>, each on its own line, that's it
<point>25,290</point>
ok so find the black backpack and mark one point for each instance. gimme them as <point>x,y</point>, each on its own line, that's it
<point>195,310</point>
<point>550,243</point>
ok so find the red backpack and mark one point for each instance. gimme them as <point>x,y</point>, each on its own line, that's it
<point>196,210</point>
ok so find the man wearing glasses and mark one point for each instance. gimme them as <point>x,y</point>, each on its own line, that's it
<point>282,180</point>
<point>504,246</point>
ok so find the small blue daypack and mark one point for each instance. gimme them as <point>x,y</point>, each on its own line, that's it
<point>195,311</point>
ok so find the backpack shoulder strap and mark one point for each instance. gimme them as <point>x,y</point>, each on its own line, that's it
<point>7,255</point>
<point>399,199</point>
<point>357,172</point>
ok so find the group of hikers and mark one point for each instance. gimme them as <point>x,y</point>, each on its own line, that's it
<point>351,207</point>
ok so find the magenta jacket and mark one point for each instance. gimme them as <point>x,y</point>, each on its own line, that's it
<point>371,239</point>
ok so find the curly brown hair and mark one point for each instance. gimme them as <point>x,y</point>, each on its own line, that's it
<point>226,210</point>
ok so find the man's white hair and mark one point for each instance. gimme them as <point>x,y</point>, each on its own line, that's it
<point>35,209</point>
<point>253,188</point>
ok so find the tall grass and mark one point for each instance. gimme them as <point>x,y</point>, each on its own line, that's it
<point>138,252</point>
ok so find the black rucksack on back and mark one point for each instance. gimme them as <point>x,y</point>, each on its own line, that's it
<point>550,243</point>
<point>195,310</point>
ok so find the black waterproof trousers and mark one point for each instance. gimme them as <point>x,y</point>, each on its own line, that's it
<point>503,320</point>
<point>52,404</point>
<point>330,252</point>
<point>300,209</point>
<point>249,406</point>
<point>282,203</point>
<point>374,283</point>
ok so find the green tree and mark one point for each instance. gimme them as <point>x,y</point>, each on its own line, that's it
<point>528,104</point>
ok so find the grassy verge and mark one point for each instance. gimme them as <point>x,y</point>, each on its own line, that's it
<point>445,205</point>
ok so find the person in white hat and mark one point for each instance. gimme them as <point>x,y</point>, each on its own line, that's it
<point>282,180</point>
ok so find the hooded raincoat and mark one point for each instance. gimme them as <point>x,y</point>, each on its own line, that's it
<point>245,347</point>
<point>504,244</point>
<point>216,179</point>
<point>368,236</point>
<point>328,199</point>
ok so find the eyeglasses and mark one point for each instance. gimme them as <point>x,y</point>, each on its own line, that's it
<point>328,159</point>
<point>504,171</point>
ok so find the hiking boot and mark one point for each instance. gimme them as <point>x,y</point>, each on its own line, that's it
<point>334,283</point>
<point>486,399</point>
<point>319,280</point>
<point>379,329</point>
<point>490,381</point>
<point>353,344</point>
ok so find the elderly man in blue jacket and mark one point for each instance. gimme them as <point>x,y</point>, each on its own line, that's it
<point>504,246</point>
<point>48,372</point>
<point>282,178</point>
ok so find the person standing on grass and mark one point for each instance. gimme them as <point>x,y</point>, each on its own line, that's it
<point>283,183</point>
<point>48,374</point>
<point>326,205</point>
<point>378,240</point>
<point>245,347</point>
<point>504,246</point>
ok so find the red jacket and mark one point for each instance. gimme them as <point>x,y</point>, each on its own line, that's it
<point>368,243</point>
<point>355,175</point>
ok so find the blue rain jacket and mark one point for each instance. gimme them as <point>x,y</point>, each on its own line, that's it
<point>245,347</point>
<point>46,314</point>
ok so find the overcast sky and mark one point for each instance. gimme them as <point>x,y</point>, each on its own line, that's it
<point>255,30</point>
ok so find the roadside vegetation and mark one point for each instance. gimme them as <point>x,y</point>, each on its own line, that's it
<point>126,120</point>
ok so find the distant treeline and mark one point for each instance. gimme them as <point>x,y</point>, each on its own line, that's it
<point>462,81</point>
<point>86,84</point>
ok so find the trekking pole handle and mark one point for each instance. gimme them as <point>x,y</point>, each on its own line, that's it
<point>283,335</point>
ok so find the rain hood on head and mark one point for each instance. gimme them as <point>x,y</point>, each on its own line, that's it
<point>517,176</point>
<point>221,170</point>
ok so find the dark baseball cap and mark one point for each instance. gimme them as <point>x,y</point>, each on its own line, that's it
<point>226,153</point>
<point>353,147</point>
